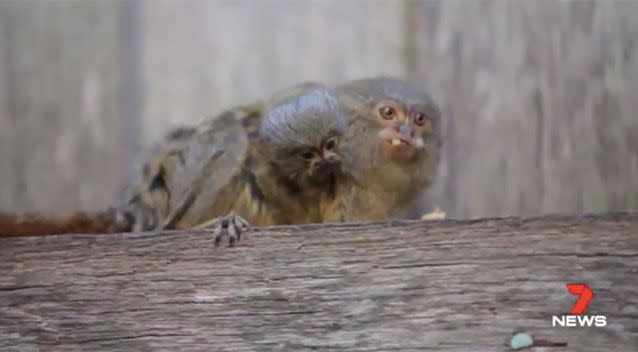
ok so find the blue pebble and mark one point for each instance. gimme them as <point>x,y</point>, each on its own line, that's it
<point>521,340</point>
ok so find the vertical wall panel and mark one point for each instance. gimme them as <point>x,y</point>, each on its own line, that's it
<point>62,92</point>
<point>541,104</point>
<point>201,56</point>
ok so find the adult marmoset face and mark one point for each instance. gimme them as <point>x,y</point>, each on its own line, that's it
<point>396,118</point>
<point>305,134</point>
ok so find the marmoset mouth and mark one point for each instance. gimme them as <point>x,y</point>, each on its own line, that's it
<point>399,141</point>
<point>399,149</point>
<point>324,169</point>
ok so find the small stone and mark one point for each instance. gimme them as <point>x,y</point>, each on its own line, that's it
<point>436,214</point>
<point>521,340</point>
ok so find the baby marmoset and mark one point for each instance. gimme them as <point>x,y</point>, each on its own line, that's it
<point>294,167</point>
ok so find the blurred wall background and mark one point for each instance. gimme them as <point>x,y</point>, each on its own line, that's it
<point>540,97</point>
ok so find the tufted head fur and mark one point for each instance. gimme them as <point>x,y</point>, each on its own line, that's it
<point>304,129</point>
<point>303,120</point>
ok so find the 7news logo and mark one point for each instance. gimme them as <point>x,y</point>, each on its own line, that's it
<point>577,318</point>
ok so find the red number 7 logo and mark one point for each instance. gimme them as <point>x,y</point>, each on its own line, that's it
<point>584,294</point>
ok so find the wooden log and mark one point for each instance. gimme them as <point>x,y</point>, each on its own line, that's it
<point>394,286</point>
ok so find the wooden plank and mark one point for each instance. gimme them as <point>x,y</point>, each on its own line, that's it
<point>399,286</point>
<point>540,100</point>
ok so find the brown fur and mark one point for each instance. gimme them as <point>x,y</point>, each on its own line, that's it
<point>252,179</point>
<point>385,188</point>
<point>162,178</point>
<point>40,224</point>
<point>273,186</point>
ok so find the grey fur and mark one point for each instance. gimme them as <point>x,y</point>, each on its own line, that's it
<point>389,188</point>
<point>358,98</point>
<point>388,87</point>
<point>321,116</point>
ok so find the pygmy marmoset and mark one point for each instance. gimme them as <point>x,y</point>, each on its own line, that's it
<point>298,160</point>
<point>395,137</point>
<point>287,162</point>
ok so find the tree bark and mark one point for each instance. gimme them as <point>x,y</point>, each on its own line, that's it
<point>393,286</point>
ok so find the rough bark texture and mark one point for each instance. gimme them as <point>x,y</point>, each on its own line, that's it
<point>397,286</point>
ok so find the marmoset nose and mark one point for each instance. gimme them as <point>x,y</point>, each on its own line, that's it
<point>405,130</point>
<point>324,167</point>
